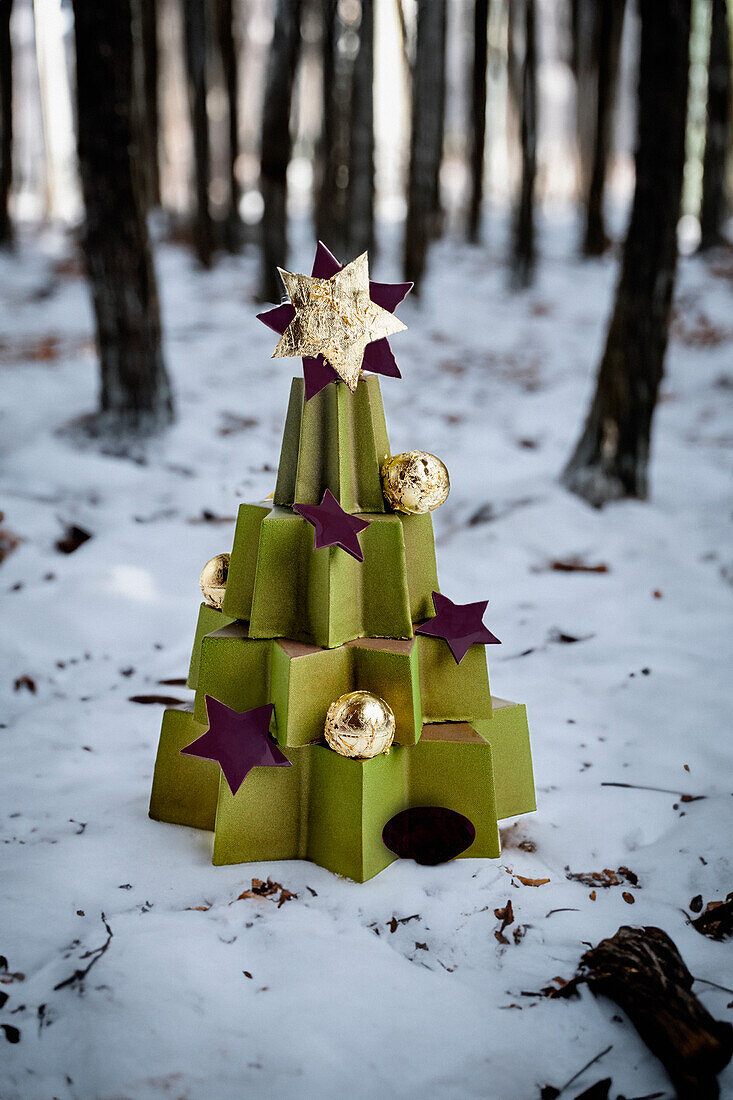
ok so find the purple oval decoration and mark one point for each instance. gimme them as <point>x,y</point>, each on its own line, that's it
<point>428,834</point>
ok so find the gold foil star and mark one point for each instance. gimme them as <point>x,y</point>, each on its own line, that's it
<point>335,318</point>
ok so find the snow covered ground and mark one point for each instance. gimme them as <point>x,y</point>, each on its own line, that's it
<point>201,995</point>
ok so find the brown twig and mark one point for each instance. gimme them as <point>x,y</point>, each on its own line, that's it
<point>77,978</point>
<point>659,790</point>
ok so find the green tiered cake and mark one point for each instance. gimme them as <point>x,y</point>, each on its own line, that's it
<point>300,626</point>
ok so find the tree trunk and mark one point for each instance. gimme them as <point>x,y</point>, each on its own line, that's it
<point>6,120</point>
<point>225,34</point>
<point>439,59</point>
<point>333,167</point>
<point>135,392</point>
<point>609,21</point>
<point>426,144</point>
<point>612,455</point>
<point>713,208</point>
<point>523,252</point>
<point>149,97</point>
<point>276,144</point>
<point>477,125</point>
<point>194,27</point>
<point>360,220</point>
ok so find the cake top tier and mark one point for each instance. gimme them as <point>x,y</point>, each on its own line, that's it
<point>336,441</point>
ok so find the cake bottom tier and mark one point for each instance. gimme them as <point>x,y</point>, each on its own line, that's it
<point>332,810</point>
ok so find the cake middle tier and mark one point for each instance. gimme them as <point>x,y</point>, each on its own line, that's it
<point>417,677</point>
<point>284,588</point>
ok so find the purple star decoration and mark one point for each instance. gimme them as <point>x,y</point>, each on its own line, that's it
<point>460,624</point>
<point>237,742</point>
<point>333,526</point>
<point>378,356</point>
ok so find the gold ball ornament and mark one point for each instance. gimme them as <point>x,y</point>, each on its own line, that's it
<point>415,482</point>
<point>213,580</point>
<point>359,725</point>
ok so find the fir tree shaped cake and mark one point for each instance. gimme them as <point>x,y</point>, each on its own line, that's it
<point>342,708</point>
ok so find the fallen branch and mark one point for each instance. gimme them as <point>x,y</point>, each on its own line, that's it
<point>642,971</point>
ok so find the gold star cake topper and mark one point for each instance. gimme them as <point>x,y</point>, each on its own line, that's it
<point>335,318</point>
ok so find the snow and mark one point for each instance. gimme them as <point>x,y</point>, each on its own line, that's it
<point>337,1003</point>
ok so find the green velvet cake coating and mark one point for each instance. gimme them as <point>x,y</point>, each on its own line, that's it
<point>243,561</point>
<point>332,810</point>
<point>337,441</point>
<point>452,692</point>
<point>264,820</point>
<point>234,669</point>
<point>285,588</point>
<point>452,767</point>
<point>417,677</point>
<point>209,619</point>
<point>185,789</point>
<point>508,734</point>
<point>350,802</point>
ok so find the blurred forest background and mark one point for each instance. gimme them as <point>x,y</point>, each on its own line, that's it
<point>215,122</point>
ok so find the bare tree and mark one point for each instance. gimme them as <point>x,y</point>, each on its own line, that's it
<point>135,392</point>
<point>277,145</point>
<point>228,50</point>
<point>598,29</point>
<point>713,207</point>
<point>195,40</point>
<point>331,206</point>
<point>611,458</point>
<point>426,143</point>
<point>6,119</point>
<point>360,220</point>
<point>147,16</point>
<point>523,43</point>
<point>344,204</point>
<point>477,126</point>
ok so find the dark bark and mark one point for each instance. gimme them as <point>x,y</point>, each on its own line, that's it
<point>477,125</point>
<point>523,244</point>
<point>227,44</point>
<point>276,144</point>
<point>150,117</point>
<point>611,458</point>
<point>713,207</point>
<point>642,971</point>
<point>333,160</point>
<point>194,32</point>
<point>6,120</point>
<point>135,392</point>
<point>608,20</point>
<point>439,58</point>
<point>426,143</point>
<point>360,221</point>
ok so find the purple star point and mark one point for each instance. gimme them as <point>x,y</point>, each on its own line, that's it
<point>378,356</point>
<point>333,526</point>
<point>459,624</point>
<point>237,742</point>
